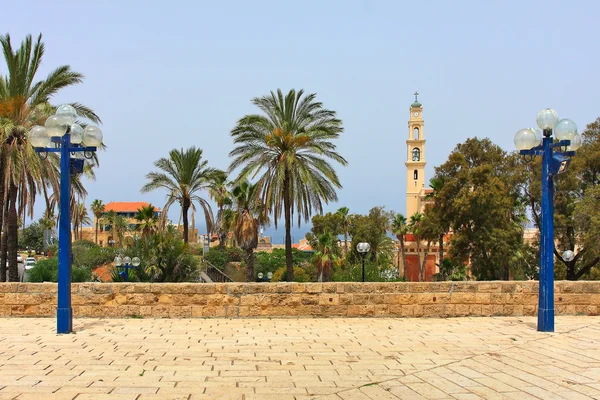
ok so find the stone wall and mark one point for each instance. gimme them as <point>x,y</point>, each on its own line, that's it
<point>443,299</point>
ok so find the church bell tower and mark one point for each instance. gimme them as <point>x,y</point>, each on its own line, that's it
<point>415,159</point>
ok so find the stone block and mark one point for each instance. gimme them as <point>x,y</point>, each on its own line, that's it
<point>327,299</point>
<point>329,287</point>
<point>529,310</point>
<point>283,287</point>
<point>236,288</point>
<point>334,311</point>
<point>180,312</point>
<point>206,288</point>
<point>160,311</point>
<point>340,288</point>
<point>361,310</point>
<point>465,287</point>
<point>165,288</point>
<point>512,287</point>
<point>345,299</point>
<point>462,298</point>
<point>381,310</point>
<point>497,298</point>
<point>298,288</point>
<point>314,287</point>
<point>483,298</point>
<point>309,300</point>
<point>490,287</point>
<point>461,309</point>
<point>432,310</point>
<point>475,309</point>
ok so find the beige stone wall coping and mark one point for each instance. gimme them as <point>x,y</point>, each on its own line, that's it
<point>431,299</point>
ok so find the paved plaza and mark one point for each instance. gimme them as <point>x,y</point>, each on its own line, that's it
<point>378,358</point>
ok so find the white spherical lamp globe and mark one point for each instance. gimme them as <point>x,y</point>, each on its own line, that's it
<point>56,126</point>
<point>539,136</point>
<point>526,139</point>
<point>76,134</point>
<point>127,260</point>
<point>135,261</point>
<point>92,136</point>
<point>68,112</point>
<point>565,130</point>
<point>363,247</point>
<point>547,118</point>
<point>118,261</point>
<point>575,143</point>
<point>38,137</point>
<point>568,255</point>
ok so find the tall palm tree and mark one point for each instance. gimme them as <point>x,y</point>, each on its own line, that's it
<point>183,174</point>
<point>23,104</point>
<point>120,227</point>
<point>97,208</point>
<point>290,144</point>
<point>109,219</point>
<point>343,212</point>
<point>79,215</point>
<point>249,216</point>
<point>400,228</point>
<point>148,220</point>
<point>219,193</point>
<point>325,255</point>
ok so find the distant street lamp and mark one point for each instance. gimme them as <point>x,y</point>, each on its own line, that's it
<point>531,143</point>
<point>363,248</point>
<point>125,263</point>
<point>66,138</point>
<point>262,278</point>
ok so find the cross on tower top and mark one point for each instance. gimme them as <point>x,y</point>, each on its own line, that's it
<point>416,95</point>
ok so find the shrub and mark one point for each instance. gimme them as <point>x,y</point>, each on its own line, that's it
<point>219,257</point>
<point>270,262</point>
<point>47,271</point>
<point>300,275</point>
<point>92,257</point>
<point>373,273</point>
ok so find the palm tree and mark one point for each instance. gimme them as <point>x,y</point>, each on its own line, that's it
<point>343,212</point>
<point>249,216</point>
<point>23,104</point>
<point>97,208</point>
<point>290,144</point>
<point>109,219</point>
<point>79,217</point>
<point>120,226</point>
<point>325,255</point>
<point>183,174</point>
<point>219,193</point>
<point>400,229</point>
<point>148,220</point>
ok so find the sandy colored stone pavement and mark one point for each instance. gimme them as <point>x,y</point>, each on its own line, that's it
<point>345,358</point>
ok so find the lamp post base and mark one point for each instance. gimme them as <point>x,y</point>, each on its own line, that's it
<point>545,320</point>
<point>64,320</point>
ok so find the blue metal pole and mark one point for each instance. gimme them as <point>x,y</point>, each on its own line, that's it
<point>546,294</point>
<point>126,272</point>
<point>64,312</point>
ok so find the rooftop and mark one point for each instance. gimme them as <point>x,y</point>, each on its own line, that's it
<point>127,206</point>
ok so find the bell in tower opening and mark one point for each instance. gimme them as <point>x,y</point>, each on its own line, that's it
<point>416,154</point>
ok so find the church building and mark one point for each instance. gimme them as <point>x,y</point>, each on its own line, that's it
<point>416,196</point>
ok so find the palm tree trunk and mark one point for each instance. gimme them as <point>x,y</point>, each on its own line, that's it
<point>3,248</point>
<point>12,234</point>
<point>96,230</point>
<point>403,250</point>
<point>2,231</point>
<point>441,252</point>
<point>346,241</point>
<point>289,262</point>
<point>250,265</point>
<point>418,241</point>
<point>184,211</point>
<point>424,262</point>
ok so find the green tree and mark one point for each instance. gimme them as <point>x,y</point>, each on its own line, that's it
<point>120,227</point>
<point>344,225</point>
<point>326,254</point>
<point>33,237</point>
<point>97,208</point>
<point>250,215</point>
<point>24,102</point>
<point>372,228</point>
<point>219,193</point>
<point>400,228</point>
<point>79,217</point>
<point>183,175</point>
<point>482,188</point>
<point>148,220</point>
<point>288,147</point>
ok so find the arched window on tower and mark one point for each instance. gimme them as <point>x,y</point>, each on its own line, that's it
<point>416,154</point>
<point>416,175</point>
<point>416,133</point>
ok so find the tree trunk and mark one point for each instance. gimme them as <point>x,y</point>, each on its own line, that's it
<point>97,221</point>
<point>3,255</point>
<point>403,250</point>
<point>424,262</point>
<point>441,255</point>
<point>346,241</point>
<point>289,262</point>
<point>250,265</point>
<point>222,235</point>
<point>185,208</point>
<point>418,242</point>
<point>13,231</point>
<point>2,214</point>
<point>571,276</point>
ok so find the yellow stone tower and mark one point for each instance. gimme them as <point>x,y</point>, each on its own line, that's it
<point>415,158</point>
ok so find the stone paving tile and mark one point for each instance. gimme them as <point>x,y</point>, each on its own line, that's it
<point>299,359</point>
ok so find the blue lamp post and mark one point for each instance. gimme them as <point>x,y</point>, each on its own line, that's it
<point>67,138</point>
<point>531,143</point>
<point>126,263</point>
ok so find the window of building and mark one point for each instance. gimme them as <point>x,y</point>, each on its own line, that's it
<point>416,154</point>
<point>416,174</point>
<point>416,132</point>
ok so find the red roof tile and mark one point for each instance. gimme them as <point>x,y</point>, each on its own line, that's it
<point>127,206</point>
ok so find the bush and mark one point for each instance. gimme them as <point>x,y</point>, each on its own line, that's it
<point>270,262</point>
<point>219,257</point>
<point>47,271</point>
<point>300,275</point>
<point>92,257</point>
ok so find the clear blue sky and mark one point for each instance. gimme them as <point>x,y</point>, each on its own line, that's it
<point>174,74</point>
